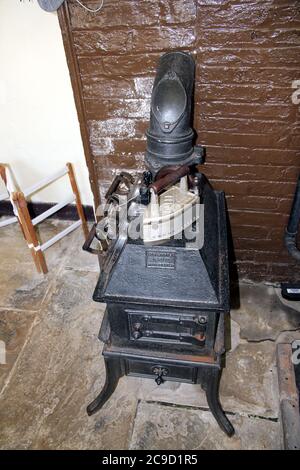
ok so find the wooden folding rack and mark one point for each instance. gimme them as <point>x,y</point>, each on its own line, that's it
<point>20,207</point>
<point>10,188</point>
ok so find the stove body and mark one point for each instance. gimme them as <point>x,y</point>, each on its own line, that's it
<point>166,302</point>
<point>168,296</point>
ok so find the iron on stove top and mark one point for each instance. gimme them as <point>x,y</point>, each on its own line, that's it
<point>162,251</point>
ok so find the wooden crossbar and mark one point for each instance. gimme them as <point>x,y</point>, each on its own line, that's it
<point>53,210</point>
<point>10,220</point>
<point>4,196</point>
<point>45,181</point>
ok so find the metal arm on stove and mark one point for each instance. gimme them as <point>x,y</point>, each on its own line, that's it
<point>111,230</point>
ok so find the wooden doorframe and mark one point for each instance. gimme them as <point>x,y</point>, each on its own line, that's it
<point>67,36</point>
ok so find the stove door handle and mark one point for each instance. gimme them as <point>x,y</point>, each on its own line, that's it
<point>196,323</point>
<point>160,373</point>
<point>198,338</point>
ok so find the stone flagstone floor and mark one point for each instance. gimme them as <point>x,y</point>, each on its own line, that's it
<point>54,365</point>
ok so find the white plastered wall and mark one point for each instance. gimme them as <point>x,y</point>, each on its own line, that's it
<point>39,129</point>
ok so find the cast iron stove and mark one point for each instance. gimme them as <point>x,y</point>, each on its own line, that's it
<point>166,297</point>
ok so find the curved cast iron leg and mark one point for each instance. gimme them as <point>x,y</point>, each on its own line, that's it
<point>113,373</point>
<point>212,396</point>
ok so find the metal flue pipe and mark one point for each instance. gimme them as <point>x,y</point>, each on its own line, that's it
<point>291,232</point>
<point>170,137</point>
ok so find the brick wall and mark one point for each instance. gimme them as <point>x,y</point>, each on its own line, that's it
<point>248,54</point>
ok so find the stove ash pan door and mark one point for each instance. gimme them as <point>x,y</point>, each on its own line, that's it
<point>176,328</point>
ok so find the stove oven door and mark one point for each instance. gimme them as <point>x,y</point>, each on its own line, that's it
<point>171,328</point>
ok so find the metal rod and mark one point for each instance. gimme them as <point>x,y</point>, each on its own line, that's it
<point>60,235</point>
<point>52,210</point>
<point>44,182</point>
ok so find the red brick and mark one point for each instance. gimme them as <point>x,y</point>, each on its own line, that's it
<point>113,14</point>
<point>130,40</point>
<point>261,203</point>
<point>239,110</point>
<point>246,38</point>
<point>244,93</point>
<point>236,154</point>
<point>251,172</point>
<point>254,188</point>
<point>178,11</point>
<point>266,219</point>
<point>247,125</point>
<point>111,108</point>
<point>117,66</point>
<point>244,15</point>
<point>255,57</point>
<point>240,74</point>
<point>280,140</point>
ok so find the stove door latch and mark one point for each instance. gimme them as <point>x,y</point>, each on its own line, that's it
<point>160,372</point>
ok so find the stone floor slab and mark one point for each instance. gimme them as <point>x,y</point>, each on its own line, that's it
<point>262,315</point>
<point>160,427</point>
<point>58,373</point>
<point>14,330</point>
<point>79,259</point>
<point>249,380</point>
